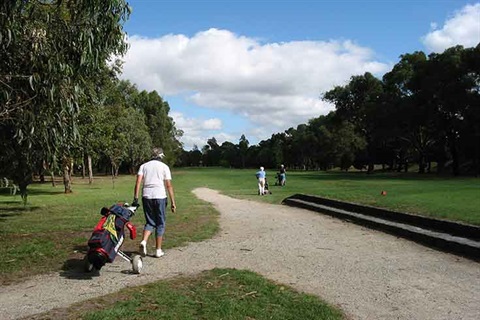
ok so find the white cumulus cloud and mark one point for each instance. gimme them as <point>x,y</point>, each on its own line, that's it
<point>198,131</point>
<point>273,85</point>
<point>463,28</point>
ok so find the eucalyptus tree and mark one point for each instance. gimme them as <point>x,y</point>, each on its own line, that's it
<point>305,144</point>
<point>453,87</point>
<point>94,133</point>
<point>264,156</point>
<point>243,144</point>
<point>122,135</point>
<point>279,146</point>
<point>471,129</point>
<point>161,126</point>
<point>49,50</point>
<point>92,120</point>
<point>211,153</point>
<point>139,143</point>
<point>411,113</point>
<point>194,157</point>
<point>358,103</point>
<point>230,155</point>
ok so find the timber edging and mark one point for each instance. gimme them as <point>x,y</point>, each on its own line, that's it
<point>454,237</point>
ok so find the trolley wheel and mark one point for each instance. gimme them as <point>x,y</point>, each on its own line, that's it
<point>137,264</point>
<point>87,265</point>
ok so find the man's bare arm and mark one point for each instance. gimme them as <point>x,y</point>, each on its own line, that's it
<point>169,187</point>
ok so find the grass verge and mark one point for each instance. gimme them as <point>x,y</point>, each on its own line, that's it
<point>214,294</point>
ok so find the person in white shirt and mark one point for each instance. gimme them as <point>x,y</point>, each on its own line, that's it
<point>261,176</point>
<point>157,181</point>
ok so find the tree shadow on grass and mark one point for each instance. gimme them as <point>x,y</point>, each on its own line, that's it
<point>4,193</point>
<point>41,192</point>
<point>12,212</point>
<point>363,175</point>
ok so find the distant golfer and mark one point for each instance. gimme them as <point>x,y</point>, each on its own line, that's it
<point>261,175</point>
<point>282,175</point>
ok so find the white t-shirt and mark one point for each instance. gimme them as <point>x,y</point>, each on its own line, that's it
<point>154,174</point>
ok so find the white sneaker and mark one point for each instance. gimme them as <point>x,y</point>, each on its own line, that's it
<point>159,253</point>
<point>143,249</point>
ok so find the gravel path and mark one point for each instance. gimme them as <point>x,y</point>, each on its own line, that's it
<point>368,274</point>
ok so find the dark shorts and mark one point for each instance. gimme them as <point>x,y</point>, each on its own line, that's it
<point>154,210</point>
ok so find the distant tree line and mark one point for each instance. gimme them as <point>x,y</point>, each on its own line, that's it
<point>425,110</point>
<point>62,106</point>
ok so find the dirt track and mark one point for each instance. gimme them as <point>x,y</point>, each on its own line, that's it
<point>368,274</point>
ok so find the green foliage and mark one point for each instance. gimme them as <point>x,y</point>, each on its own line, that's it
<point>161,126</point>
<point>49,52</point>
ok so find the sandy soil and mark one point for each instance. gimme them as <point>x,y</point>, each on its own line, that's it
<point>368,274</point>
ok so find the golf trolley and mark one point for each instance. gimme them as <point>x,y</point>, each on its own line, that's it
<point>107,238</point>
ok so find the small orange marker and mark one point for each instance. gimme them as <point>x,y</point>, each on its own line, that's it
<point>383,193</point>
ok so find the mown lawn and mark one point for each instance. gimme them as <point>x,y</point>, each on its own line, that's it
<point>442,197</point>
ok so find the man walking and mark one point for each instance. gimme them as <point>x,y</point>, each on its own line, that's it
<point>157,181</point>
<point>261,180</point>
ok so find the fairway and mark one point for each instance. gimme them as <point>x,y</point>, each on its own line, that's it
<point>450,198</point>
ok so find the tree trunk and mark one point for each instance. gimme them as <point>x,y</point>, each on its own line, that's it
<point>371,166</point>
<point>52,174</point>
<point>42,171</point>
<point>90,171</point>
<point>454,153</point>
<point>22,181</point>
<point>421,163</point>
<point>72,169</point>
<point>23,192</point>
<point>67,182</point>
<point>113,174</point>
<point>83,167</point>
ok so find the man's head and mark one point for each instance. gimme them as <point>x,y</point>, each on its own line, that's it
<point>262,168</point>
<point>157,153</point>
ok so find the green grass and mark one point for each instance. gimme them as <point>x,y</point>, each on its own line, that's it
<point>214,294</point>
<point>51,232</point>
<point>449,198</point>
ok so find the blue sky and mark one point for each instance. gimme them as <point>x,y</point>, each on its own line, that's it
<point>229,67</point>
